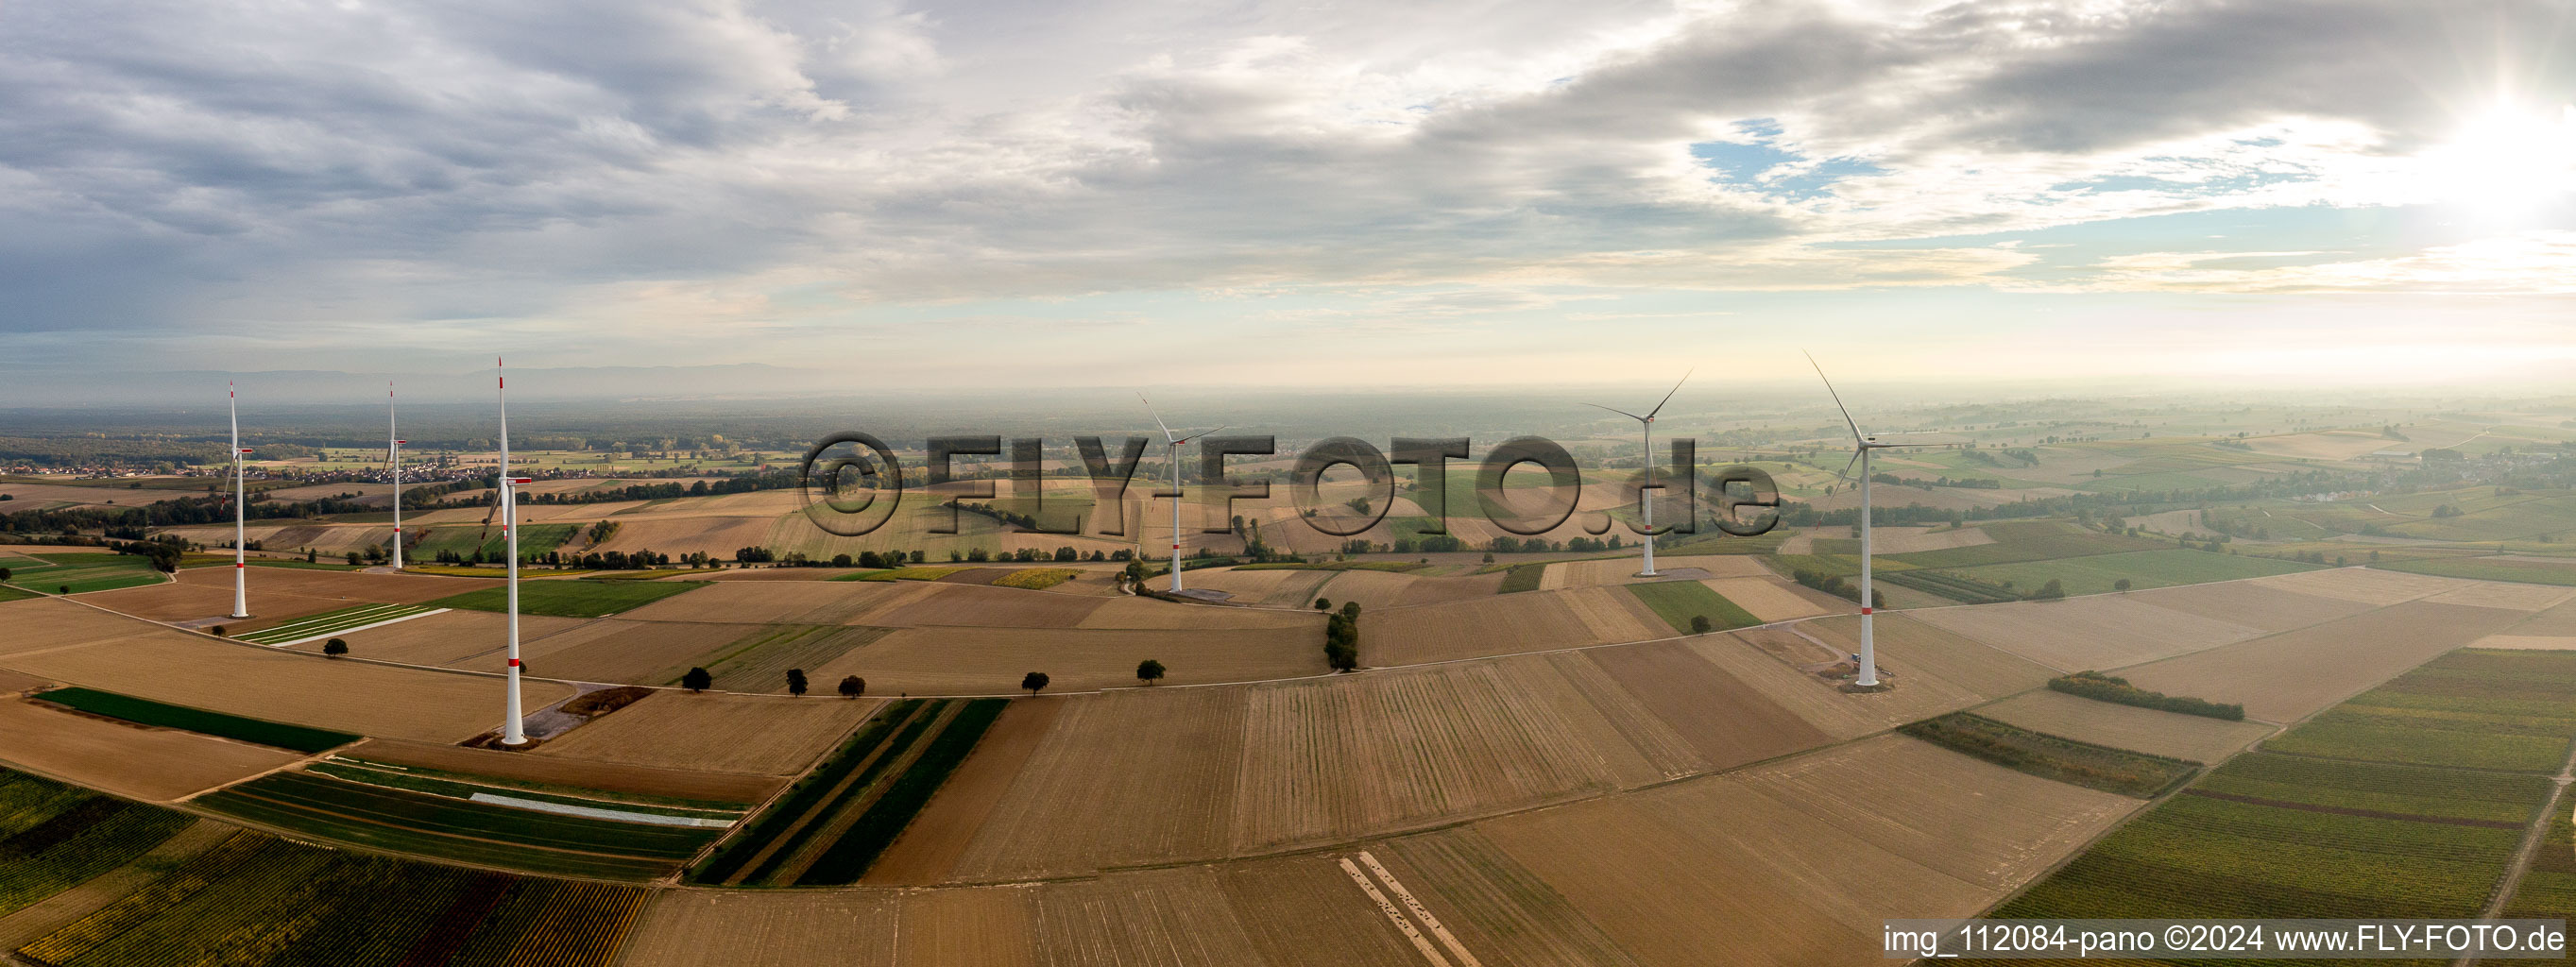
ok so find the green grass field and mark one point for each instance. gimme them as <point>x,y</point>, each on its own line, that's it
<point>83,573</point>
<point>2345,816</point>
<point>2165,567</point>
<point>1522,577</point>
<point>419,824</point>
<point>576,598</point>
<point>261,731</point>
<point>332,622</point>
<point>1677,602</point>
<point>2051,757</point>
<point>8,593</point>
<point>2490,569</point>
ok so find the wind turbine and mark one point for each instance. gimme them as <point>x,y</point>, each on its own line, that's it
<point>1174,440</point>
<point>241,570</point>
<point>393,453</point>
<point>511,731</point>
<point>1645,496</point>
<point>1866,675</point>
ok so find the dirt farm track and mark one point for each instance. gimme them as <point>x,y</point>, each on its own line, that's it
<point>1548,776</point>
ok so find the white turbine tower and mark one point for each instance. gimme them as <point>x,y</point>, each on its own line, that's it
<point>511,731</point>
<point>1646,495</point>
<point>1866,674</point>
<point>241,569</point>
<point>1174,440</point>
<point>393,453</point>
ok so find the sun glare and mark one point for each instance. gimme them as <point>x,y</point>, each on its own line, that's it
<point>2509,160</point>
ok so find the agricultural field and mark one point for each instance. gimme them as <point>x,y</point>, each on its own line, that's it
<point>2103,631</point>
<point>1794,862</point>
<point>2284,677</point>
<point>329,623</point>
<point>2195,738</point>
<point>1682,603</point>
<point>310,805</point>
<point>753,734</point>
<point>2018,542</point>
<point>81,573</point>
<point>2478,709</point>
<point>2053,757</point>
<point>576,598</point>
<point>1123,778</point>
<point>2099,573</point>
<point>2531,570</point>
<point>158,765</point>
<point>834,824</point>
<point>759,661</point>
<point>2548,887</point>
<point>132,658</point>
<point>276,734</point>
<point>2380,831</point>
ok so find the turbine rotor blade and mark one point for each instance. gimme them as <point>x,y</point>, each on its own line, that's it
<point>1195,436</point>
<point>1844,474</point>
<point>1158,418</point>
<point>1838,397</point>
<point>1619,411</point>
<point>1668,395</point>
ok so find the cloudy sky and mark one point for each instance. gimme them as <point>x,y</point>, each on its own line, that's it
<point>1090,193</point>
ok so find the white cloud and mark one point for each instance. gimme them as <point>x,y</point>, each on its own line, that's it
<point>264,171</point>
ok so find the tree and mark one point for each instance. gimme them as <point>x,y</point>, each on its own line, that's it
<point>217,631</point>
<point>1323,604</point>
<point>312,556</point>
<point>697,680</point>
<point>62,589</point>
<point>796,682</point>
<point>335,648</point>
<point>4,574</point>
<point>1699,624</point>
<point>2120,585</point>
<point>852,686</point>
<point>1148,671</point>
<point>1035,682</point>
<point>2049,592</point>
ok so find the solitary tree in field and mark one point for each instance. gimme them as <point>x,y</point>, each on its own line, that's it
<point>2120,585</point>
<point>697,680</point>
<point>4,574</point>
<point>796,682</point>
<point>1148,671</point>
<point>852,686</point>
<point>1699,624</point>
<point>1035,682</point>
<point>217,631</point>
<point>67,589</point>
<point>335,648</point>
<point>1323,604</point>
